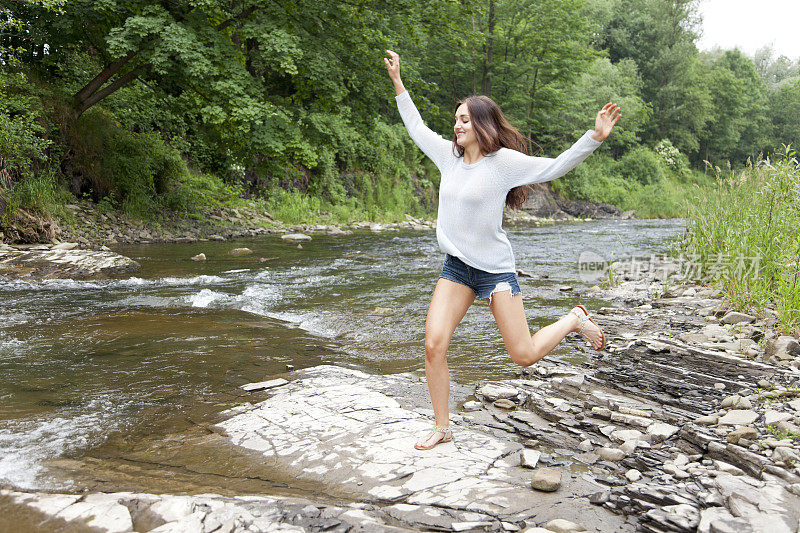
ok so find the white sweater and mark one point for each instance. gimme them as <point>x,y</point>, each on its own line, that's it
<point>471,197</point>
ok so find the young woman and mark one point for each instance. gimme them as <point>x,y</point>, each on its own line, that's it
<point>484,167</point>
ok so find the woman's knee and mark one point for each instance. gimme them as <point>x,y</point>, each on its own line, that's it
<point>435,346</point>
<point>524,355</point>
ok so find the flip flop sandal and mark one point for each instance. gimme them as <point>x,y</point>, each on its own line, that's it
<point>447,436</point>
<point>583,320</point>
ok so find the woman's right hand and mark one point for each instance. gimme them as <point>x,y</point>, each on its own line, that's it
<point>393,65</point>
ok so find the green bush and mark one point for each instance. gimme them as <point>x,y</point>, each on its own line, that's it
<point>594,180</point>
<point>640,165</point>
<point>139,169</point>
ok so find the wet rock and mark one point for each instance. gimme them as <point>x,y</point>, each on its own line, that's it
<point>738,417</point>
<point>587,458</point>
<point>295,237</point>
<point>75,264</point>
<point>733,317</point>
<point>240,251</point>
<point>261,385</point>
<point>546,479</point>
<point>742,433</point>
<point>199,257</point>
<point>559,525</point>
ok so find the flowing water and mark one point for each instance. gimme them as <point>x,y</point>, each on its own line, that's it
<point>96,368</point>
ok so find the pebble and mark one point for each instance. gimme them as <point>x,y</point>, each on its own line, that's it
<point>199,257</point>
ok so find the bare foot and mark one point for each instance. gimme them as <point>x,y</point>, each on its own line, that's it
<point>591,331</point>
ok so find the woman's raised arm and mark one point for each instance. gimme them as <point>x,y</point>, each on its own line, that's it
<point>518,169</point>
<point>437,148</point>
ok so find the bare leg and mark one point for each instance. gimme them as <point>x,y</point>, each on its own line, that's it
<point>525,350</point>
<point>449,304</point>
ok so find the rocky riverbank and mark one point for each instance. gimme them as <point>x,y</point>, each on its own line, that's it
<point>92,227</point>
<point>688,421</point>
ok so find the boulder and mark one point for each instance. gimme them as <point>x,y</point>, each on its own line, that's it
<point>546,479</point>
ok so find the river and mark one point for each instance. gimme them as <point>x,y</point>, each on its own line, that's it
<point>104,369</point>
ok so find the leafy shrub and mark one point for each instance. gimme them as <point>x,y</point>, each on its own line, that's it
<point>595,180</point>
<point>640,165</point>
<point>138,168</point>
<point>676,163</point>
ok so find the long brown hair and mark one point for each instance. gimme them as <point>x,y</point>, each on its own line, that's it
<point>493,132</point>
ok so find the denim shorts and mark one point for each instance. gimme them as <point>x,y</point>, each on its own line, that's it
<point>483,283</point>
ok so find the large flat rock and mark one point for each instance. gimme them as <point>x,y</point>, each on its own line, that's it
<point>354,433</point>
<point>74,264</point>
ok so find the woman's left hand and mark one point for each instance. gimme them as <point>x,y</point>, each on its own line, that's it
<point>605,120</point>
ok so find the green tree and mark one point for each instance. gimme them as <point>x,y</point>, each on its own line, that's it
<point>605,82</point>
<point>659,35</point>
<point>737,124</point>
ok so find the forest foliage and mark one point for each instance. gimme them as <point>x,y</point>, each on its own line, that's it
<point>139,103</point>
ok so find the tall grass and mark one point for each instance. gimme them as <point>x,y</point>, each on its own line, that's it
<point>745,235</point>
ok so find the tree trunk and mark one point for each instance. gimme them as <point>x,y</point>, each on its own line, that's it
<point>487,62</point>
